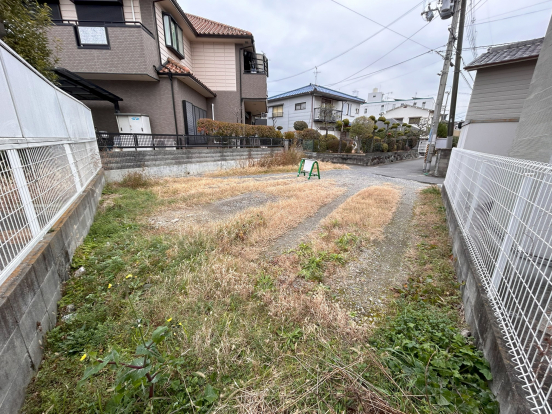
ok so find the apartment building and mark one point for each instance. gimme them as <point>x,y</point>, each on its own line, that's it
<point>310,104</point>
<point>130,59</point>
<point>377,104</point>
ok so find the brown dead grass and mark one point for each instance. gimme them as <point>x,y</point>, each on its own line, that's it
<point>255,170</point>
<point>364,215</point>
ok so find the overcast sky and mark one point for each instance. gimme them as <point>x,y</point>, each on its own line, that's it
<point>300,34</point>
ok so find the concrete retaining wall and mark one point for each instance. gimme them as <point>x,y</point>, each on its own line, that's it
<point>442,162</point>
<point>478,313</point>
<point>373,158</point>
<point>28,298</point>
<point>176,163</point>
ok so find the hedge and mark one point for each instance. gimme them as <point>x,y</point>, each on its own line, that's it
<point>232,129</point>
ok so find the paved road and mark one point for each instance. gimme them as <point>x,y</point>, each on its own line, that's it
<point>407,170</point>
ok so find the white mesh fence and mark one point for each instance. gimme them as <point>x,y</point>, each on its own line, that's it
<point>504,209</point>
<point>48,155</point>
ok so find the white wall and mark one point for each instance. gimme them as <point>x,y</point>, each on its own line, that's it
<point>290,114</point>
<point>375,108</point>
<point>488,137</point>
<point>406,113</point>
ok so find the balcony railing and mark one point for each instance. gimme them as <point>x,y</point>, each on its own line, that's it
<point>322,114</point>
<point>94,34</point>
<point>256,64</point>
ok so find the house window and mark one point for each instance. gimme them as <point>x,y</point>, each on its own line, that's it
<point>357,110</point>
<point>365,110</point>
<point>373,96</point>
<point>300,106</point>
<point>192,114</point>
<point>415,104</point>
<point>383,108</point>
<point>423,104</point>
<point>277,111</point>
<point>326,101</point>
<point>415,121</point>
<point>394,105</point>
<point>104,12</point>
<point>173,36</point>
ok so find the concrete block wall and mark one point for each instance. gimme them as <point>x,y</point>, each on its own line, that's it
<point>176,163</point>
<point>373,158</point>
<point>28,298</point>
<point>483,324</point>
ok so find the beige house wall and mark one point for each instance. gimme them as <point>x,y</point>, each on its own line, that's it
<point>215,65</point>
<point>165,52</point>
<point>127,10</point>
<point>68,10</point>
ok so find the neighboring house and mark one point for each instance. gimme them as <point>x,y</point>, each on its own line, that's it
<point>376,104</point>
<point>501,86</point>
<point>409,114</point>
<point>304,104</point>
<point>147,57</point>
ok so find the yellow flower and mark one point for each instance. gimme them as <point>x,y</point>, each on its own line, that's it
<point>129,276</point>
<point>109,286</point>
<point>83,357</point>
<point>170,319</point>
<point>180,323</point>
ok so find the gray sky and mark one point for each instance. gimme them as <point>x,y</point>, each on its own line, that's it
<point>297,35</point>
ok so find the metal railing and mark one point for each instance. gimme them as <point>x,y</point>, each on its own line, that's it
<point>504,209</point>
<point>322,114</point>
<point>94,23</point>
<point>48,155</point>
<point>118,141</point>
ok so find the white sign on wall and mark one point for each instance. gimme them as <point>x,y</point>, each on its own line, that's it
<point>92,35</point>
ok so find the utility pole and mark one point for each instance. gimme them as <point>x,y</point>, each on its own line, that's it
<point>441,93</point>
<point>316,72</point>
<point>457,69</point>
<point>444,113</point>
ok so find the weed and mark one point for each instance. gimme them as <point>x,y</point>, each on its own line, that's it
<point>135,180</point>
<point>313,264</point>
<point>291,337</point>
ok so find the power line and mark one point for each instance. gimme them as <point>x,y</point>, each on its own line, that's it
<point>464,77</point>
<point>373,21</point>
<point>348,50</point>
<point>377,60</point>
<point>383,69</point>
<point>521,8</point>
<point>511,17</point>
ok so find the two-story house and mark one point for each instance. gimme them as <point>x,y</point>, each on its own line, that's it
<point>310,104</point>
<point>148,57</point>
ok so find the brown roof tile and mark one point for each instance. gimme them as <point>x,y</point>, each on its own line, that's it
<point>205,26</point>
<point>173,66</point>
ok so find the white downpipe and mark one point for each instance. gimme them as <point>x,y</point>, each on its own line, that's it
<point>213,111</point>
<point>132,8</point>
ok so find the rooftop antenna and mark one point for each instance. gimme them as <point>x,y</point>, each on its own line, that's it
<point>316,72</point>
<point>355,93</point>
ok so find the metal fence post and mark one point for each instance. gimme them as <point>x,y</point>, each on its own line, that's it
<point>23,190</point>
<point>71,160</point>
<point>135,142</point>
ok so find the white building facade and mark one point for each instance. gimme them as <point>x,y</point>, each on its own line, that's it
<point>376,104</point>
<point>304,104</point>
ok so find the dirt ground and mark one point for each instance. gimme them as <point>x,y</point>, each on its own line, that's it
<point>364,285</point>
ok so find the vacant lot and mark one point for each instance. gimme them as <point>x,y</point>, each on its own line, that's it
<point>268,294</point>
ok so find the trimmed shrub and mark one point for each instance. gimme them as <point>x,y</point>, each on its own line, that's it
<point>289,135</point>
<point>308,133</point>
<point>384,147</point>
<point>232,129</point>
<point>346,122</point>
<point>279,128</point>
<point>300,125</point>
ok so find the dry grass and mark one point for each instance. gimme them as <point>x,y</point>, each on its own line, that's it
<point>279,162</point>
<point>284,342</point>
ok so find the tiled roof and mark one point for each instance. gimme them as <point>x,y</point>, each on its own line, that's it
<point>205,26</point>
<point>512,52</point>
<point>178,69</point>
<point>316,89</point>
<point>173,66</point>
